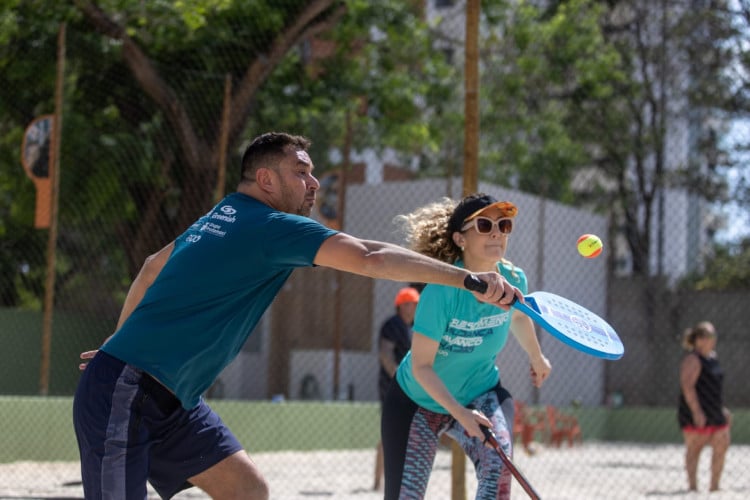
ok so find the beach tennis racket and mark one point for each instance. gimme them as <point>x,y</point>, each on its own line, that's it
<point>565,320</point>
<point>490,438</point>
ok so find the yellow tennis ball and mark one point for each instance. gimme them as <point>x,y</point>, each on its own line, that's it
<point>590,246</point>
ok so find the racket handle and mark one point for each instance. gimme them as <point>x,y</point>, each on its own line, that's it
<point>490,438</point>
<point>473,283</point>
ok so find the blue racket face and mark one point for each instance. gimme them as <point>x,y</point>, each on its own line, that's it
<point>573,324</point>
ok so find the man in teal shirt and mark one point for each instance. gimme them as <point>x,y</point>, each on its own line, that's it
<point>138,412</point>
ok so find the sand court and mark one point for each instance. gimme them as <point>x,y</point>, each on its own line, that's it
<point>592,471</point>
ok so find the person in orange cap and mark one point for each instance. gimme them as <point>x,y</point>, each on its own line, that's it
<point>394,343</point>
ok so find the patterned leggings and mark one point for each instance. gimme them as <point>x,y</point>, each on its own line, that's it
<point>411,433</point>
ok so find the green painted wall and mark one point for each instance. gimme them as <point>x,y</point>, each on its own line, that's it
<point>36,428</point>
<point>21,340</point>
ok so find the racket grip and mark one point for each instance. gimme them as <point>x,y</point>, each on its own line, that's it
<point>492,439</point>
<point>473,283</point>
<point>489,436</point>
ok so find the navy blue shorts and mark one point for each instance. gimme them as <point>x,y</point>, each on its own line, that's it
<point>131,429</point>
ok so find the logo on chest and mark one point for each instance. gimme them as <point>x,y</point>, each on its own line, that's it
<point>464,336</point>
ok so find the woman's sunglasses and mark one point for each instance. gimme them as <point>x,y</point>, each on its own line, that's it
<point>484,225</point>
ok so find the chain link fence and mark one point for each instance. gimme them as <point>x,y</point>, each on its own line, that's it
<point>155,110</point>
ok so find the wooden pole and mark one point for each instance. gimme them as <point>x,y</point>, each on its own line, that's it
<point>54,174</point>
<point>471,161</point>
<point>471,97</point>
<point>340,210</point>
<point>221,174</point>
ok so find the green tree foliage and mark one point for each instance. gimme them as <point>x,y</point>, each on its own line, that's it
<point>727,269</point>
<point>738,102</point>
<point>583,98</point>
<point>677,58</point>
<point>566,87</point>
<point>382,71</point>
<point>26,92</point>
<point>583,101</point>
<point>538,65</point>
<point>144,96</point>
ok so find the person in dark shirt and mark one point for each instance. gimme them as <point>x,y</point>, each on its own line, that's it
<point>701,413</point>
<point>395,336</point>
<point>393,344</point>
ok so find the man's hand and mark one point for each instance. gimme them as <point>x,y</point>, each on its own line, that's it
<point>493,289</point>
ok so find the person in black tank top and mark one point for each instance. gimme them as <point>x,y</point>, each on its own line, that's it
<point>701,413</point>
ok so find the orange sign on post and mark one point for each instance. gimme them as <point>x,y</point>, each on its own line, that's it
<point>37,162</point>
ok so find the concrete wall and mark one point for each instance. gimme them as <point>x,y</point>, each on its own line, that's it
<point>651,318</point>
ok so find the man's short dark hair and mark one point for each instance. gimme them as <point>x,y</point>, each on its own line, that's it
<point>267,151</point>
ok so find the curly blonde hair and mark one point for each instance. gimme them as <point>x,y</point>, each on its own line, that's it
<point>426,231</point>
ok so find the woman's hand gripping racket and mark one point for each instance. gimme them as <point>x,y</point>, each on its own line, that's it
<point>489,437</point>
<point>567,321</point>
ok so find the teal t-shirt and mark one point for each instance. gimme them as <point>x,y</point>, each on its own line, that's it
<point>222,275</point>
<point>470,333</point>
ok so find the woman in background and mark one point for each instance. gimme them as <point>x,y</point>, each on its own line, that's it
<point>702,416</point>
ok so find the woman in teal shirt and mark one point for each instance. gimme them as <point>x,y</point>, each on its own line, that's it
<point>448,382</point>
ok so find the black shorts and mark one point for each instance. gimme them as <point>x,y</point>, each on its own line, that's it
<point>131,429</point>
